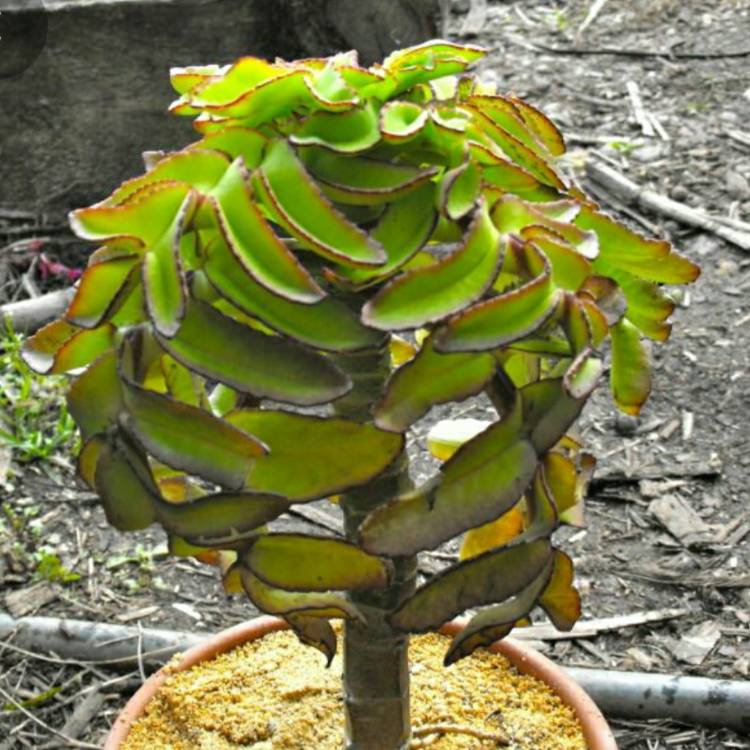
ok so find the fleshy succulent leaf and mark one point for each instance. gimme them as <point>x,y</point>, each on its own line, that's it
<point>496,622</point>
<point>265,366</point>
<point>630,374</point>
<point>291,194</point>
<point>188,438</point>
<point>337,453</point>
<point>428,379</point>
<point>296,562</point>
<point>491,577</point>
<point>427,295</point>
<point>483,480</point>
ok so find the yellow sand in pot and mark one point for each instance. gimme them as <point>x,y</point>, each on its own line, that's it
<point>275,694</point>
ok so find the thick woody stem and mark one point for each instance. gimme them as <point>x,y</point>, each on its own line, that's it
<point>376,660</point>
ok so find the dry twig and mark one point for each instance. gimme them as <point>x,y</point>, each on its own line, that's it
<point>629,192</point>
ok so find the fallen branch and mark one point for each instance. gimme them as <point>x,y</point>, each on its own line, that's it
<point>29,315</point>
<point>638,53</point>
<point>699,468</point>
<point>630,192</point>
<point>99,643</point>
<point>696,700</point>
<point>475,20</point>
<point>594,11</point>
<point>591,628</point>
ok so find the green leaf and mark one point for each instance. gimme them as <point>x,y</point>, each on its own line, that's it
<point>102,290</point>
<point>569,268</point>
<point>127,494</point>
<point>328,325</point>
<point>88,458</point>
<point>296,562</point>
<point>485,130</point>
<point>541,125</point>
<point>548,412</point>
<point>504,112</point>
<point>220,520</point>
<point>484,479</point>
<point>561,600</point>
<point>254,104</point>
<point>61,347</point>
<point>143,222</point>
<point>343,132</point>
<point>163,277</point>
<point>224,399</point>
<point>183,79</point>
<point>653,260</point>
<point>192,167</point>
<point>255,244</point>
<point>428,379</point>
<point>316,632</point>
<point>234,142</point>
<point>276,601</point>
<point>188,438</point>
<point>291,194</point>
<point>491,577</point>
<point>503,319</point>
<point>265,366</point>
<point>95,398</point>
<point>180,383</point>
<point>501,176</point>
<point>363,181</point>
<point>647,306</point>
<point>581,377</point>
<point>402,121</point>
<point>427,295</point>
<point>337,454</point>
<point>630,374</point>
<point>494,623</point>
<point>223,85</point>
<point>459,190</point>
<point>425,62</point>
<point>403,229</point>
<point>512,215</point>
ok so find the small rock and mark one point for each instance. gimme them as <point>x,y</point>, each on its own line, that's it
<point>726,267</point>
<point>697,643</point>
<point>680,193</point>
<point>461,6</point>
<point>704,244</point>
<point>648,153</point>
<point>737,185</point>
<point>625,424</point>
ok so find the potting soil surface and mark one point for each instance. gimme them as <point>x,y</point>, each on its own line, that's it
<point>276,694</point>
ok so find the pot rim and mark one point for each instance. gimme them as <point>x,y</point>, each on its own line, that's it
<point>596,730</point>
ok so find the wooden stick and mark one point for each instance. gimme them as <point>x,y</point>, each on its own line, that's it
<point>594,11</point>
<point>591,628</point>
<point>629,192</point>
<point>639,111</point>
<point>638,53</point>
<point>426,731</point>
<point>29,315</point>
<point>476,19</point>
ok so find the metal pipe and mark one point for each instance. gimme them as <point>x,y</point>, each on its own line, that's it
<point>694,700</point>
<point>627,695</point>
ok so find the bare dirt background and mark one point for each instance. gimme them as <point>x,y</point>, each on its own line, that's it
<point>690,446</point>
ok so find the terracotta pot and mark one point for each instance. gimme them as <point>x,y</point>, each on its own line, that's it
<point>526,660</point>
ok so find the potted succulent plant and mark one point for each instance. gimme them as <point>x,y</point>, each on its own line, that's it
<point>237,346</point>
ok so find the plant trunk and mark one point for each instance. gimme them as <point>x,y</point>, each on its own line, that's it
<point>376,658</point>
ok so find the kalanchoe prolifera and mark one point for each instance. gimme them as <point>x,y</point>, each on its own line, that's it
<point>270,265</point>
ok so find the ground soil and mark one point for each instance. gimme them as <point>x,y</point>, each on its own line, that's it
<point>695,422</point>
